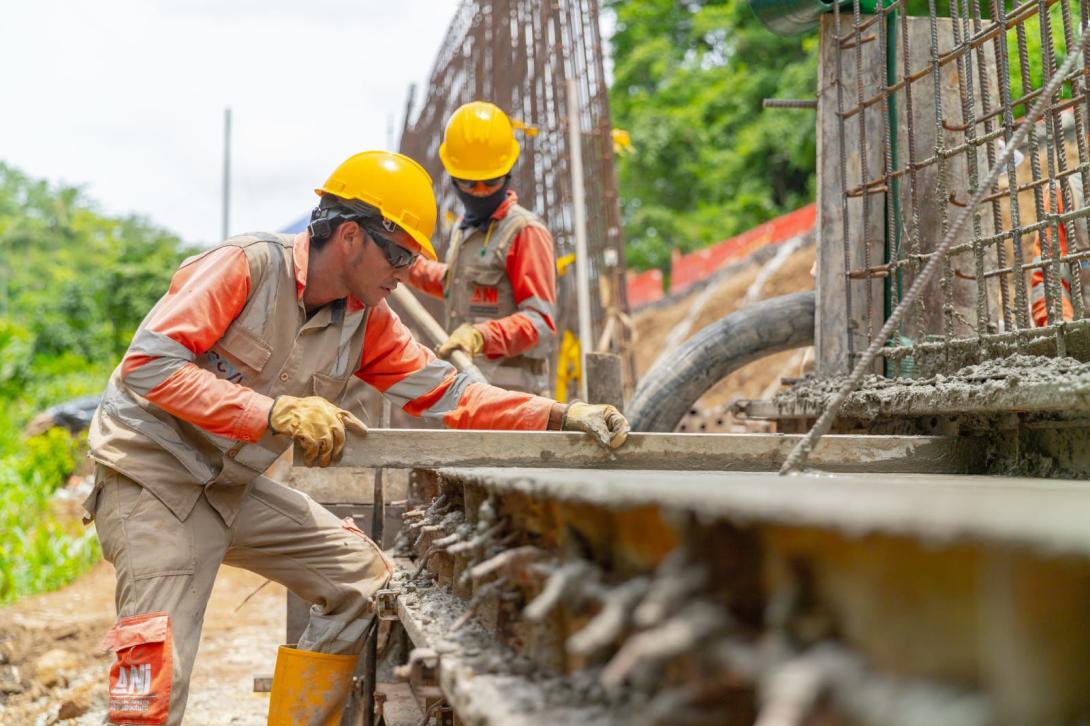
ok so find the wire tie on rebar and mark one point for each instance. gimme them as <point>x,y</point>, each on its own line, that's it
<point>848,45</point>
<point>860,191</point>
<point>869,273</point>
<point>954,127</point>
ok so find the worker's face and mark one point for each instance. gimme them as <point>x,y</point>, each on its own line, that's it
<point>369,275</point>
<point>479,188</point>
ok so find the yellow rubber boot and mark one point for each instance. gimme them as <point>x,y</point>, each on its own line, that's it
<point>309,688</point>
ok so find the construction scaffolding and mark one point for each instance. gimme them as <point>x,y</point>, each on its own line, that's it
<point>913,113</point>
<point>520,55</point>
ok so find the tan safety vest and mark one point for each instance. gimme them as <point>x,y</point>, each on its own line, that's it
<point>477,290</point>
<point>270,347</point>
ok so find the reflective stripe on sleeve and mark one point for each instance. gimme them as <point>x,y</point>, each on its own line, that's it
<point>419,383</point>
<point>167,356</point>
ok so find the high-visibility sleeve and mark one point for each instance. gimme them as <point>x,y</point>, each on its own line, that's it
<point>1038,303</point>
<point>427,276</point>
<point>531,268</point>
<point>413,378</point>
<point>205,296</point>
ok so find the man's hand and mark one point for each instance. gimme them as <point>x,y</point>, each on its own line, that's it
<point>465,337</point>
<point>608,425</point>
<point>316,424</point>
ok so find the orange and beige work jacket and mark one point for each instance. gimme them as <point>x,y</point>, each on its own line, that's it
<point>187,409</point>
<point>1038,303</point>
<point>501,279</point>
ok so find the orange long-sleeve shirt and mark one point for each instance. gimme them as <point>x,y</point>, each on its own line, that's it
<point>206,296</point>
<point>531,268</point>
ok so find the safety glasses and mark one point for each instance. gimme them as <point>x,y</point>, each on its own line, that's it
<point>468,185</point>
<point>398,257</point>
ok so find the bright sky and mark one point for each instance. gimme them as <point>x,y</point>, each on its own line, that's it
<point>126,98</point>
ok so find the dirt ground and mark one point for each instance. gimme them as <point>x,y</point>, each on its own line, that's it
<point>49,653</point>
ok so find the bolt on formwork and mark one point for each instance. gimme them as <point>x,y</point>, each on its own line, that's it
<point>519,54</point>
<point>916,103</point>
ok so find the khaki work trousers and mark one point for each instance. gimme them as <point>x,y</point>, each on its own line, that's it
<point>165,565</point>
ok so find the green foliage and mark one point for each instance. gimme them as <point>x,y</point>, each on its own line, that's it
<point>1034,39</point>
<point>74,284</point>
<point>16,345</point>
<point>80,281</point>
<point>38,550</point>
<point>708,161</point>
<point>689,81</point>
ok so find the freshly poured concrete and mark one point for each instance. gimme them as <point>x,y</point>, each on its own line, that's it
<point>1048,515</point>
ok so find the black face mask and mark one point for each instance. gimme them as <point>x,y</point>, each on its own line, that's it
<point>480,209</point>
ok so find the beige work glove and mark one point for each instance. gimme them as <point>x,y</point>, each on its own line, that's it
<point>465,337</point>
<point>316,424</point>
<point>608,425</point>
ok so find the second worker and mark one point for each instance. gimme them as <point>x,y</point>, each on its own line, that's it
<point>499,279</point>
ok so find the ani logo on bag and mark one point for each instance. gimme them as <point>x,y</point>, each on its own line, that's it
<point>141,673</point>
<point>135,680</point>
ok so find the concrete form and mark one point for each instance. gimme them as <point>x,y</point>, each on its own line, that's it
<point>550,596</point>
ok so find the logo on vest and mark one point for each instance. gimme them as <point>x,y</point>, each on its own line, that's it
<point>485,295</point>
<point>223,367</point>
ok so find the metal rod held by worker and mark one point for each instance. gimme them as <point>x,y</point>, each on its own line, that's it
<point>433,331</point>
<point>579,207</point>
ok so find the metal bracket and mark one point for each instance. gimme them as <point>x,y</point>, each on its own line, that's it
<point>386,604</point>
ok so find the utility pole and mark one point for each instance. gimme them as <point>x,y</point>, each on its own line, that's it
<point>226,173</point>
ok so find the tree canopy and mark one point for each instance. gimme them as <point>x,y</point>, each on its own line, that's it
<point>708,162</point>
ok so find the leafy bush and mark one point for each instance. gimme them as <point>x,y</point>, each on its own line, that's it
<point>74,284</point>
<point>708,161</point>
<point>37,550</point>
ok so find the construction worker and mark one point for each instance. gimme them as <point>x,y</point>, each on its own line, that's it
<point>251,348</point>
<point>499,279</point>
<point>1039,307</point>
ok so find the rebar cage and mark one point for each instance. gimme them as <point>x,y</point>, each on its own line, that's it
<point>916,103</point>
<point>519,54</point>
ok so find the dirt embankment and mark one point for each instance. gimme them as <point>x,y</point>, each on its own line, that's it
<point>701,307</point>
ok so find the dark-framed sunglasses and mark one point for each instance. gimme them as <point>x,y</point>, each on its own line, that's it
<point>398,257</point>
<point>468,185</point>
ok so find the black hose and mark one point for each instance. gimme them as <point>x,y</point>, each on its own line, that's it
<point>669,390</point>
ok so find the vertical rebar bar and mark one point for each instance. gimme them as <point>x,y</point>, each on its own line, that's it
<point>864,175</point>
<point>844,206</point>
<point>967,93</point>
<point>940,176</point>
<point>983,68</point>
<point>1021,317</point>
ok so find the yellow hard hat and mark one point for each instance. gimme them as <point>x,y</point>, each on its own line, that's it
<point>396,185</point>
<point>479,142</point>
